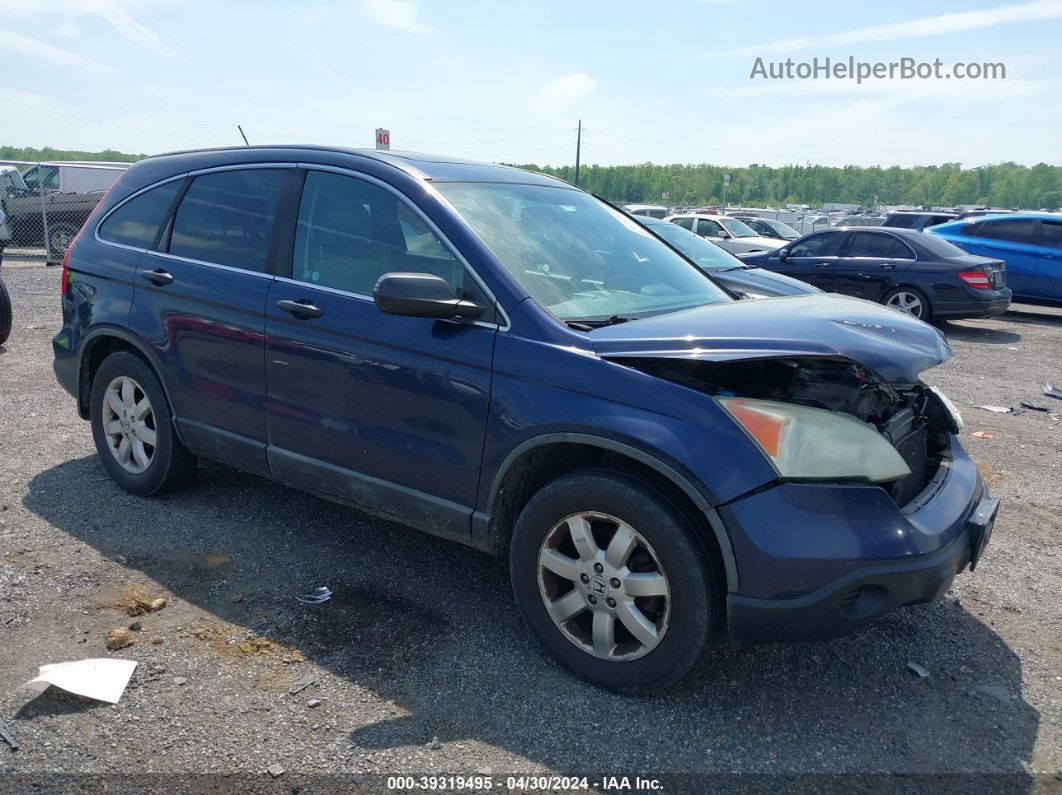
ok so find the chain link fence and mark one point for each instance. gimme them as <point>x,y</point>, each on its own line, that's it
<point>43,206</point>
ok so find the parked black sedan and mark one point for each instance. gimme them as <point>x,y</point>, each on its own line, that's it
<point>742,277</point>
<point>904,269</point>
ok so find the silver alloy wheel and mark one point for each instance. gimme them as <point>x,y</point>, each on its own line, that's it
<point>908,303</point>
<point>603,586</point>
<point>129,424</point>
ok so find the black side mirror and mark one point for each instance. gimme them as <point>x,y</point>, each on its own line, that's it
<point>421,295</point>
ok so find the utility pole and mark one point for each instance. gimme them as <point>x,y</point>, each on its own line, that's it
<point>578,146</point>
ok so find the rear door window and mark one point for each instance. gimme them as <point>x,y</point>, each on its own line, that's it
<point>871,244</point>
<point>227,218</point>
<point>1052,231</point>
<point>685,223</point>
<point>1012,230</point>
<point>137,222</point>
<point>826,244</point>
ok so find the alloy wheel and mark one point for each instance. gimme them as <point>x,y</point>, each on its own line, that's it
<point>908,303</point>
<point>129,424</point>
<point>603,586</point>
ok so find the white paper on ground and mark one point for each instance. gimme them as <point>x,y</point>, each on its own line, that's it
<point>103,679</point>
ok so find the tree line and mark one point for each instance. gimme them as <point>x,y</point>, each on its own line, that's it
<point>948,185</point>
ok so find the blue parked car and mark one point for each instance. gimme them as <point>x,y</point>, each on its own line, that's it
<point>499,358</point>
<point>1029,243</point>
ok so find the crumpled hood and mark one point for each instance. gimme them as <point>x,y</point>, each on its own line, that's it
<point>895,346</point>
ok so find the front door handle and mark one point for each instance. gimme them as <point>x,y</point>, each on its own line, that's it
<point>158,276</point>
<point>822,265</point>
<point>302,308</point>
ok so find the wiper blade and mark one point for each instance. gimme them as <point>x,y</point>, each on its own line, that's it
<point>575,324</point>
<point>612,321</point>
<point>735,268</point>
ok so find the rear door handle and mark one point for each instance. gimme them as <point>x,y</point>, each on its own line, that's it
<point>302,308</point>
<point>158,276</point>
<point>888,265</point>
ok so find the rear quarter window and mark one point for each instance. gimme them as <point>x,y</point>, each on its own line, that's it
<point>137,222</point>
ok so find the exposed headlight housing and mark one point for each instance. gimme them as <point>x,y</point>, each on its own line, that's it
<point>804,443</point>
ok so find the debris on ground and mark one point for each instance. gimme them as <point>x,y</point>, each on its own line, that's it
<point>157,641</point>
<point>995,691</point>
<point>136,601</point>
<point>996,409</point>
<point>119,639</point>
<point>917,669</point>
<point>136,626</point>
<point>316,596</point>
<point>102,679</point>
<point>982,435</point>
<point>1050,391</point>
<point>179,680</point>
<point>275,770</point>
<point>302,684</point>
<point>1033,406</point>
<point>8,737</point>
<point>434,744</point>
<point>313,702</point>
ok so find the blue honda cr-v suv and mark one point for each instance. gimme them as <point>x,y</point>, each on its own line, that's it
<point>499,358</point>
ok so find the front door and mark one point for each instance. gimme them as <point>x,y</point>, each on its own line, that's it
<point>1013,240</point>
<point>383,411</point>
<point>811,259</point>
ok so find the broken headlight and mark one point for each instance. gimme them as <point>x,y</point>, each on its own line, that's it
<point>805,443</point>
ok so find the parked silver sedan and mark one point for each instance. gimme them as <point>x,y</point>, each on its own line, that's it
<point>735,236</point>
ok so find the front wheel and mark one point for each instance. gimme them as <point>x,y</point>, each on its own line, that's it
<point>910,301</point>
<point>132,429</point>
<point>611,577</point>
<point>60,236</point>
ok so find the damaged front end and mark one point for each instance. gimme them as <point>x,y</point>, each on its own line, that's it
<point>825,418</point>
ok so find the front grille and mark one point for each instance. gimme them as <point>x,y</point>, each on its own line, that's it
<point>912,448</point>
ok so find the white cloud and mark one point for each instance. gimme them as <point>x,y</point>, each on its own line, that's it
<point>62,16</point>
<point>1038,10</point>
<point>559,95</point>
<point>398,14</point>
<point>34,48</point>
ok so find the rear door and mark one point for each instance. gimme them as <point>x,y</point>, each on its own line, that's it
<point>812,259</point>
<point>200,304</point>
<point>385,411</point>
<point>869,263</point>
<point>1013,240</point>
<point>1048,282</point>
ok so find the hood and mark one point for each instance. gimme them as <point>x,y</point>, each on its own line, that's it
<point>769,243</point>
<point>762,281</point>
<point>895,346</point>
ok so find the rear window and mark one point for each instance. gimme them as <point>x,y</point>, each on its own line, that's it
<point>1014,230</point>
<point>902,221</point>
<point>227,218</point>
<point>137,222</point>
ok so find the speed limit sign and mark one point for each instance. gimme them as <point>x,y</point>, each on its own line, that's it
<point>383,138</point>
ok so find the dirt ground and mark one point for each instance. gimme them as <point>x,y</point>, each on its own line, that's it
<point>420,663</point>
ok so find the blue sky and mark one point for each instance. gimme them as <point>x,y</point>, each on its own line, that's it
<point>664,81</point>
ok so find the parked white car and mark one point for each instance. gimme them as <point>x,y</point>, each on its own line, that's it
<point>649,210</point>
<point>735,236</point>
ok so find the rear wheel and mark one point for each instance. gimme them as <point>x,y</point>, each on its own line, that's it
<point>60,236</point>
<point>910,301</point>
<point>610,576</point>
<point>132,428</point>
<point>5,313</point>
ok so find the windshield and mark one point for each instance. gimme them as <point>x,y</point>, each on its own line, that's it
<point>577,257</point>
<point>708,256</point>
<point>738,228</point>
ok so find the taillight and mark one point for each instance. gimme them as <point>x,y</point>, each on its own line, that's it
<point>66,273</point>
<point>976,279</point>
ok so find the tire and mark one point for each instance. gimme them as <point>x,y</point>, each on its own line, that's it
<point>60,236</point>
<point>684,612</point>
<point>156,468</point>
<point>5,313</point>
<point>901,295</point>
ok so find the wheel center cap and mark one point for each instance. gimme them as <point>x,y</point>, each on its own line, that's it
<point>598,586</point>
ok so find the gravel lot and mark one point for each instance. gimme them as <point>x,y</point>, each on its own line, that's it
<point>421,662</point>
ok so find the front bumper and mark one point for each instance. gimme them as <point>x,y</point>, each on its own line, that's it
<point>836,557</point>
